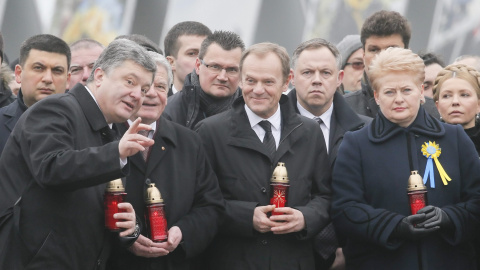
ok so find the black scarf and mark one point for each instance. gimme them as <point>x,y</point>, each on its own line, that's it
<point>208,104</point>
<point>474,134</point>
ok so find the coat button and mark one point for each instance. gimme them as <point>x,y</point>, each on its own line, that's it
<point>264,242</point>
<point>264,190</point>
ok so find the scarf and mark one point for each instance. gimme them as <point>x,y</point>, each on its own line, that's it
<point>211,105</point>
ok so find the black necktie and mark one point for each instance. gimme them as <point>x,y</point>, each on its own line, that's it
<point>268,140</point>
<point>319,120</point>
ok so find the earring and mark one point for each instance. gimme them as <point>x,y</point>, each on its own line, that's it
<point>441,118</point>
<point>477,117</point>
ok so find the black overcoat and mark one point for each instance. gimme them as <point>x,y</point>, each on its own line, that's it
<point>244,168</point>
<point>57,158</point>
<point>178,166</point>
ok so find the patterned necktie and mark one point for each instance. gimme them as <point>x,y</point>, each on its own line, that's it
<point>268,140</point>
<point>147,148</point>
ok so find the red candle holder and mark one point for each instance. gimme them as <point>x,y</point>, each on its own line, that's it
<point>417,192</point>
<point>156,221</point>
<point>279,186</point>
<point>114,194</point>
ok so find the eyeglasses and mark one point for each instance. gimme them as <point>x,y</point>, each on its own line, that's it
<point>231,71</point>
<point>356,65</point>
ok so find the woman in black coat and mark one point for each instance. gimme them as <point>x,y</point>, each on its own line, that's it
<point>370,206</point>
<point>457,95</point>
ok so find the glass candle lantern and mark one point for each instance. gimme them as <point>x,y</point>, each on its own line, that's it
<point>155,215</point>
<point>417,192</point>
<point>279,185</point>
<point>114,194</point>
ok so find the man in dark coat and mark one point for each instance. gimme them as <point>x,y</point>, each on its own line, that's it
<point>380,31</point>
<point>213,86</point>
<point>250,238</point>
<point>178,166</point>
<point>59,157</point>
<point>317,75</point>
<point>42,71</point>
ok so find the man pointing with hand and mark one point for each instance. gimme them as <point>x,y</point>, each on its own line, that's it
<point>59,158</point>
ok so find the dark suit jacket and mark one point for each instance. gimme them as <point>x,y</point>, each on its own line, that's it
<point>57,160</point>
<point>343,119</point>
<point>193,201</point>
<point>9,116</point>
<point>244,168</point>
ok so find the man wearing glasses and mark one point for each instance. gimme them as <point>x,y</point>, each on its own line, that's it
<point>213,86</point>
<point>351,50</point>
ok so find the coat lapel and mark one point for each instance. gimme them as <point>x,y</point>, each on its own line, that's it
<point>241,133</point>
<point>290,121</point>
<point>165,141</point>
<point>92,112</point>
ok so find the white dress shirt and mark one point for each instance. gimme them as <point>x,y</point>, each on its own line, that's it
<point>275,120</point>
<point>326,118</point>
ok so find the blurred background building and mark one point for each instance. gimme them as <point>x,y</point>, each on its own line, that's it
<point>446,27</point>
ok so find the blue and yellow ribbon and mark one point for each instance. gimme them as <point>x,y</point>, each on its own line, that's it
<point>432,151</point>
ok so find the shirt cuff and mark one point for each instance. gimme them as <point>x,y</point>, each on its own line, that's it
<point>123,162</point>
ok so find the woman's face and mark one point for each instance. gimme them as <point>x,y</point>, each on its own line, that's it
<point>458,102</point>
<point>398,94</point>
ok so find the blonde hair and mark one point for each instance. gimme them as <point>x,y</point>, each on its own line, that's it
<point>396,60</point>
<point>461,71</point>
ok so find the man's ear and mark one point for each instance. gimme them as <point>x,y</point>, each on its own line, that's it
<point>197,66</point>
<point>18,73</point>
<point>98,76</point>
<point>171,60</point>
<point>289,79</point>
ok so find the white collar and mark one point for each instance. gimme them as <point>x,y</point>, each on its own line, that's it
<point>326,116</point>
<point>153,125</point>
<point>275,120</point>
<point>174,90</point>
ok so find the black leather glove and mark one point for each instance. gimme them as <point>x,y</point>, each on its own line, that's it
<point>434,216</point>
<point>406,228</point>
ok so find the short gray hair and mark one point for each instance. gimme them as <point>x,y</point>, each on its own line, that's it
<point>160,60</point>
<point>317,43</point>
<point>119,51</point>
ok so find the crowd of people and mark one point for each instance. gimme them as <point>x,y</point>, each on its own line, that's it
<point>208,120</point>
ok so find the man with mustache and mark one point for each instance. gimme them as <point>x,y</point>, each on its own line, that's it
<point>213,86</point>
<point>42,71</point>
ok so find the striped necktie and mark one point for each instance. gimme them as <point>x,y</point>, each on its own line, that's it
<point>147,148</point>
